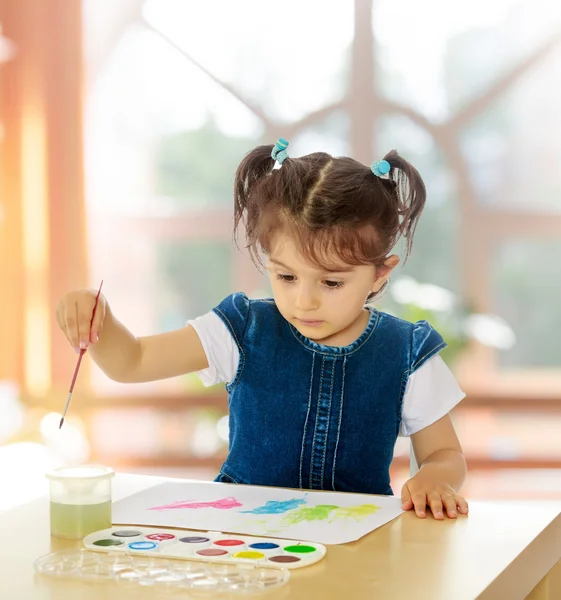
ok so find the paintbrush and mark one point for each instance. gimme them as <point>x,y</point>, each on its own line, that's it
<point>82,352</point>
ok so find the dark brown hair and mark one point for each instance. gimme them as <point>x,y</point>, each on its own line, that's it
<point>331,207</point>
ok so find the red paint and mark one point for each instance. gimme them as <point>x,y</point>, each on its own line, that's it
<point>229,543</point>
<point>223,504</point>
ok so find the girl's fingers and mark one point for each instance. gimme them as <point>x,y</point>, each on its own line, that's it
<point>420,503</point>
<point>84,319</point>
<point>406,502</point>
<point>440,503</point>
<point>75,316</point>
<point>71,325</point>
<point>97,322</point>
<point>435,503</point>
<point>449,502</point>
<point>461,504</point>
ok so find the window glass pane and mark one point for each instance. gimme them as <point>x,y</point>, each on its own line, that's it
<point>278,55</point>
<point>526,276</point>
<point>331,135</point>
<point>436,56</point>
<point>194,170</point>
<point>513,150</point>
<point>510,144</point>
<point>435,254</point>
<point>157,143</point>
<point>193,278</point>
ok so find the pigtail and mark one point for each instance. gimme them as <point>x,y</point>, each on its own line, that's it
<point>410,195</point>
<point>255,165</point>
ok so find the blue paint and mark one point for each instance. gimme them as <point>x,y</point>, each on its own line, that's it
<point>275,507</point>
<point>143,546</point>
<point>264,546</point>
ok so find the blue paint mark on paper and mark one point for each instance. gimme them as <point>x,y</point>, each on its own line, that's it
<point>275,507</point>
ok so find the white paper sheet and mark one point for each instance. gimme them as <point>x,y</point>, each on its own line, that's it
<point>323,517</point>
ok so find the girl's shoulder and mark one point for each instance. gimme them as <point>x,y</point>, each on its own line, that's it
<point>422,339</point>
<point>392,322</point>
<point>237,311</point>
<point>238,303</point>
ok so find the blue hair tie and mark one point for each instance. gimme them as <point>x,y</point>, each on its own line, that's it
<point>380,167</point>
<point>279,152</point>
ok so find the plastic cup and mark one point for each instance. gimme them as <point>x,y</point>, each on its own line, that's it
<point>80,500</point>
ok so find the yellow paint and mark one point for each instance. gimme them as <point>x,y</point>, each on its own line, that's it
<point>250,555</point>
<point>355,512</point>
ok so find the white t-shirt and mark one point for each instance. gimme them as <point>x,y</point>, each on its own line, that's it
<point>431,392</point>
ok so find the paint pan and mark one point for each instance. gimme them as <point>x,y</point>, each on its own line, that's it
<point>212,546</point>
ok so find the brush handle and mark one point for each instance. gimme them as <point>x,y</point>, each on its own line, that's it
<point>77,368</point>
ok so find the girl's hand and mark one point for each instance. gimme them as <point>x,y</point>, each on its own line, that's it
<point>425,489</point>
<point>74,314</point>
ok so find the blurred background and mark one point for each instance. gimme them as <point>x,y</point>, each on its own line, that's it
<point>121,125</point>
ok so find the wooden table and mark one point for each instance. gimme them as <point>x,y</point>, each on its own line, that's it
<point>502,551</point>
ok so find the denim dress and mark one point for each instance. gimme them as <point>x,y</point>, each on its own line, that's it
<point>306,415</point>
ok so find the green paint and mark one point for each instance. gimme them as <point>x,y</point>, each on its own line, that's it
<point>108,543</point>
<point>299,549</point>
<point>355,512</point>
<point>314,513</point>
<point>323,512</point>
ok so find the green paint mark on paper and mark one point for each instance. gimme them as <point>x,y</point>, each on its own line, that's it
<point>329,512</point>
<point>313,513</point>
<point>355,512</point>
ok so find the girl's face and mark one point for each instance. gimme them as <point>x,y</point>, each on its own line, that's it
<point>325,306</point>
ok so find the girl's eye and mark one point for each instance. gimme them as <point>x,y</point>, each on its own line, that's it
<point>287,278</point>
<point>333,284</point>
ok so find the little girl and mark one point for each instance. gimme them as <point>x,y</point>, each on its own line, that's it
<point>319,382</point>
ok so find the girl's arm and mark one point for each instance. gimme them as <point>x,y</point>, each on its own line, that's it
<point>128,359</point>
<point>442,471</point>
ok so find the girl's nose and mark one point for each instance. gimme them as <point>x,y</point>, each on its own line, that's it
<point>306,299</point>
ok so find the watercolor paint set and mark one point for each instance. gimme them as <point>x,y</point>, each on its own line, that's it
<point>182,559</point>
<point>212,546</point>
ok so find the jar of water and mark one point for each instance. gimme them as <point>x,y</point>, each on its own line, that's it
<point>80,500</point>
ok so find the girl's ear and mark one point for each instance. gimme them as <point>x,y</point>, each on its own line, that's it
<point>384,271</point>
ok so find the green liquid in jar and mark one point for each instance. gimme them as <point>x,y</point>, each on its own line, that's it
<point>74,521</point>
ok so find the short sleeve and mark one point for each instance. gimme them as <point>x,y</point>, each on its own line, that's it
<point>425,343</point>
<point>220,348</point>
<point>431,392</point>
<point>234,311</point>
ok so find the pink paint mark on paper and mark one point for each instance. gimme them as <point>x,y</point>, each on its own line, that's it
<point>221,504</point>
